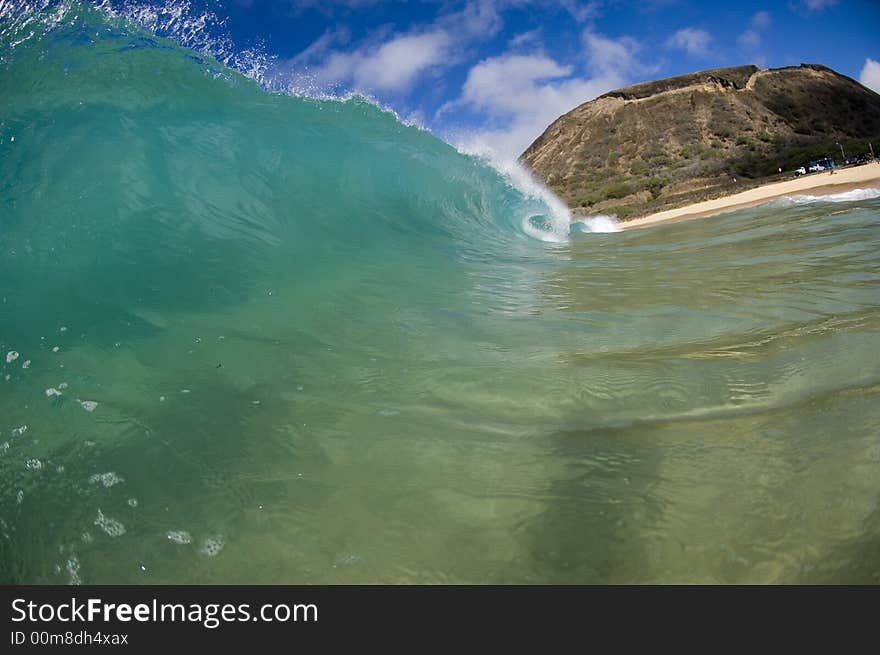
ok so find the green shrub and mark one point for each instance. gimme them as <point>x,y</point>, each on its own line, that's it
<point>655,185</point>
<point>589,200</point>
<point>621,190</point>
<point>638,167</point>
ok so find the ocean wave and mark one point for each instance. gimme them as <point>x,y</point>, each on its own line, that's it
<point>853,195</point>
<point>598,223</point>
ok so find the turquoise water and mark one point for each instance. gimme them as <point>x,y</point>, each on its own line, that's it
<point>249,337</point>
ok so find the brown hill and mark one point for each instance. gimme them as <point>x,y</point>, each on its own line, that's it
<point>663,144</point>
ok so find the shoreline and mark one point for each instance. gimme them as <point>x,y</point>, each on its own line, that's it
<point>820,184</point>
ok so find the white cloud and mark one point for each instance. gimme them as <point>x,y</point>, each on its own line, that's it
<point>870,75</point>
<point>392,63</point>
<point>819,5</point>
<point>581,11</point>
<point>693,41</point>
<point>527,96</point>
<point>761,20</point>
<point>752,37</point>
<point>749,39</point>
<point>605,54</point>
<point>530,39</point>
<point>522,94</point>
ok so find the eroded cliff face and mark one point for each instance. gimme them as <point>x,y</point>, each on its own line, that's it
<point>667,143</point>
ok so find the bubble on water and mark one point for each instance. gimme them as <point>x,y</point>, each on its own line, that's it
<point>60,469</point>
<point>73,570</point>
<point>212,546</point>
<point>181,537</point>
<point>255,402</point>
<point>161,399</point>
<point>132,502</point>
<point>107,479</point>
<point>34,464</point>
<point>388,412</point>
<point>19,430</point>
<point>4,446</point>
<point>55,349</point>
<point>27,364</point>
<point>63,328</point>
<point>19,497</point>
<point>52,391</point>
<point>87,537</point>
<point>347,559</point>
<point>11,356</point>
<point>109,525</point>
<point>7,377</point>
<point>300,387</point>
<point>184,391</point>
<point>88,405</point>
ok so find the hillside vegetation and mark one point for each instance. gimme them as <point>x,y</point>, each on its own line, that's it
<point>668,143</point>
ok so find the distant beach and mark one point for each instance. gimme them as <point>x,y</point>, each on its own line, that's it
<point>821,183</point>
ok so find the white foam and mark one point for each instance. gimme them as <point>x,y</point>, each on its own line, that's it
<point>181,537</point>
<point>34,464</point>
<point>52,391</point>
<point>845,196</point>
<point>88,405</point>
<point>11,356</point>
<point>109,525</point>
<point>602,223</point>
<point>212,546</point>
<point>73,570</point>
<point>27,364</point>
<point>132,502</point>
<point>107,479</point>
<point>19,430</point>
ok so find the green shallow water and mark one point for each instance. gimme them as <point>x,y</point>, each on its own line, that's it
<point>326,347</point>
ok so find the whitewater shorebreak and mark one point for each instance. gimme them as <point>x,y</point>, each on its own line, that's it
<point>849,184</point>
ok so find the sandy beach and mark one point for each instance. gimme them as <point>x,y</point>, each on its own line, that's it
<point>815,184</point>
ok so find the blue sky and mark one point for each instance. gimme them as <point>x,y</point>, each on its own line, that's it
<point>495,73</point>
